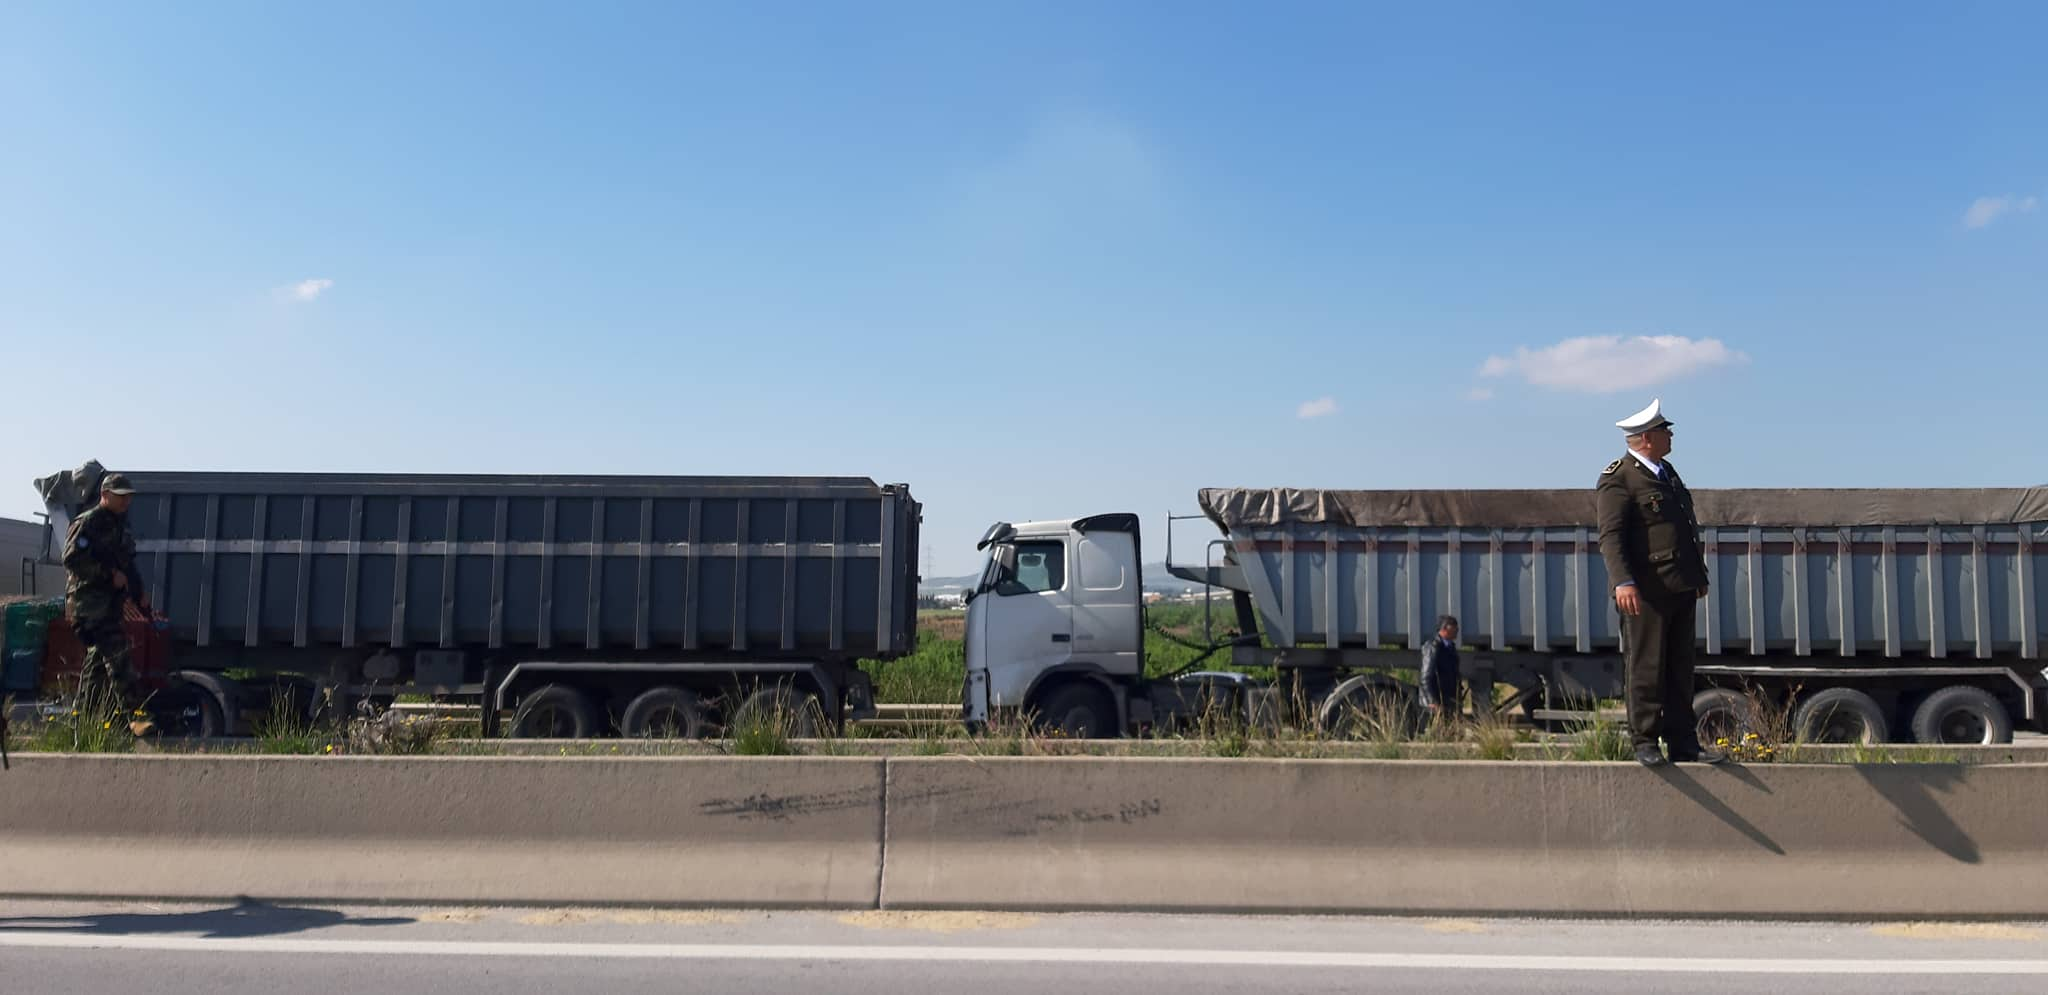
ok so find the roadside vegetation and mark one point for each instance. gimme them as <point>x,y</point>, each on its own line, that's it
<point>1380,726</point>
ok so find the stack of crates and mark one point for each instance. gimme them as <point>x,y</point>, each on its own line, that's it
<point>25,634</point>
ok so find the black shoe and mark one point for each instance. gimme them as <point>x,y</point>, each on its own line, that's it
<point>1649,756</point>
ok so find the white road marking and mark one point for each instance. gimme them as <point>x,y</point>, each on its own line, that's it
<point>52,940</point>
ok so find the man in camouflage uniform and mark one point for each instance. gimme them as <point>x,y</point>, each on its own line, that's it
<point>99,553</point>
<point>1649,539</point>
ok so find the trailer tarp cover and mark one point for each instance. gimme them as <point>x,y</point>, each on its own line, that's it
<point>1234,508</point>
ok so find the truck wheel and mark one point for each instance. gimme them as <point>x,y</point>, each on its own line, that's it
<point>1840,715</point>
<point>1722,713</point>
<point>1377,710</point>
<point>797,711</point>
<point>664,713</point>
<point>194,714</point>
<point>1962,714</point>
<point>1078,710</point>
<point>556,711</point>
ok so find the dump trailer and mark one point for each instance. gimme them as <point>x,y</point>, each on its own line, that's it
<point>1869,615</point>
<point>579,605</point>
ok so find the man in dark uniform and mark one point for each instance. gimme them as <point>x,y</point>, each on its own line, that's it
<point>99,553</point>
<point>1649,538</point>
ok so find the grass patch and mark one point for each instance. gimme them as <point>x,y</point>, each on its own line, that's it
<point>96,722</point>
<point>1599,739</point>
<point>768,722</point>
<point>932,675</point>
<point>1496,737</point>
<point>288,728</point>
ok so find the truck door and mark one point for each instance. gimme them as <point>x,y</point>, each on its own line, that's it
<point>1030,618</point>
<point>1107,598</point>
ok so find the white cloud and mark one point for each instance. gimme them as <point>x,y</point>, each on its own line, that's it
<point>1606,364</point>
<point>1985,210</point>
<point>1479,394</point>
<point>306,290</point>
<point>1321,407</point>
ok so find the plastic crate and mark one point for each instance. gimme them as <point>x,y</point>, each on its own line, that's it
<point>27,623</point>
<point>22,670</point>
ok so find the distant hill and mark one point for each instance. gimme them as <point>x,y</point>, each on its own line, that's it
<point>1156,579</point>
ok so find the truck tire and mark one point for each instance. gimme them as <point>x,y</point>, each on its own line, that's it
<point>556,711</point>
<point>798,711</point>
<point>193,714</point>
<point>1840,715</point>
<point>1722,714</point>
<point>1962,714</point>
<point>664,713</point>
<point>1362,712</point>
<point>1077,710</point>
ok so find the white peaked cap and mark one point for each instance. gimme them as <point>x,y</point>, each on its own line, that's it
<point>1645,420</point>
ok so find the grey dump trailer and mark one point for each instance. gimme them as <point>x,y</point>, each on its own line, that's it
<point>1871,614</point>
<point>580,605</point>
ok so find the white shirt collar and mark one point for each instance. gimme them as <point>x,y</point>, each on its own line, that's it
<point>1655,466</point>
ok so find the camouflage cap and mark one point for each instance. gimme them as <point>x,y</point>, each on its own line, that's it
<point>115,483</point>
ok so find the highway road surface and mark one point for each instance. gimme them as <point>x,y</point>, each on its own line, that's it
<point>248,948</point>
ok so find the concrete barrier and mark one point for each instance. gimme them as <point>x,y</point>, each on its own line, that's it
<point>693,832</point>
<point>1467,837</point>
<point>1038,833</point>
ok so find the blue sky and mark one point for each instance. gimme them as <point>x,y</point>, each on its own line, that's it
<point>1037,260</point>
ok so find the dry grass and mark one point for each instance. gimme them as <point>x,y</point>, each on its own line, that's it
<point>1495,736</point>
<point>942,625</point>
<point>768,722</point>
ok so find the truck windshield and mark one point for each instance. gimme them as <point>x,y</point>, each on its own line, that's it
<point>1024,567</point>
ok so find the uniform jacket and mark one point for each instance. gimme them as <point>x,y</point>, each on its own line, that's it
<point>98,544</point>
<point>1648,531</point>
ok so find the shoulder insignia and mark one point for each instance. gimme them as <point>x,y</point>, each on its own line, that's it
<point>1611,467</point>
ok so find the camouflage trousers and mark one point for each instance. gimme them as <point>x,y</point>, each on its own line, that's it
<point>107,659</point>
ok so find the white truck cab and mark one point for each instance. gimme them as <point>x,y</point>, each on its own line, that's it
<point>1055,625</point>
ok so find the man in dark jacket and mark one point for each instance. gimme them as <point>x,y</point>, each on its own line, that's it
<point>1440,679</point>
<point>1649,539</point>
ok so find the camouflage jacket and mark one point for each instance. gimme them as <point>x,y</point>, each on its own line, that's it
<point>97,545</point>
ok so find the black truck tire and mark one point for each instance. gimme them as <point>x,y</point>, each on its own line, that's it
<point>193,713</point>
<point>1840,715</point>
<point>1078,710</point>
<point>1375,709</point>
<point>664,713</point>
<point>1722,713</point>
<point>798,711</point>
<point>556,711</point>
<point>1962,714</point>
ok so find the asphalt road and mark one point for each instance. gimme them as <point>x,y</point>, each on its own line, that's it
<point>253,949</point>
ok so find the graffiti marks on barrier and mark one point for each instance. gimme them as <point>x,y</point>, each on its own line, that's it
<point>1125,814</point>
<point>764,807</point>
<point>912,796</point>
